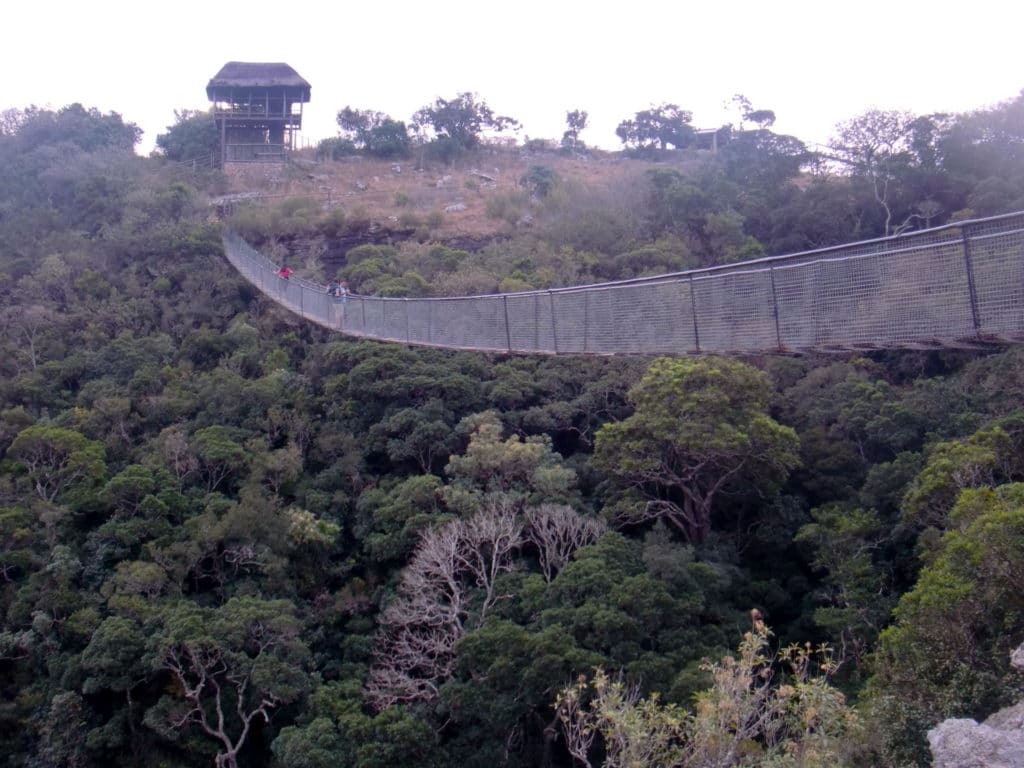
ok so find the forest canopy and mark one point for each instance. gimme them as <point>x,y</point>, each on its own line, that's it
<point>230,537</point>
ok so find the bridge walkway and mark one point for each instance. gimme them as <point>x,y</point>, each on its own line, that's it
<point>957,285</point>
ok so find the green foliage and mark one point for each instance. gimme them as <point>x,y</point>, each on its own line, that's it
<point>527,471</point>
<point>657,128</point>
<point>58,461</point>
<point>457,124</point>
<point>335,148</point>
<point>947,655</point>
<point>576,123</point>
<point>375,133</point>
<point>193,136</point>
<point>219,454</point>
<point>398,516</point>
<point>699,427</point>
<point>854,590</point>
<point>700,211</point>
<point>87,129</point>
<point>539,180</point>
<point>245,655</point>
<point>337,732</point>
<point>292,216</point>
<point>138,372</point>
<point>988,457</point>
<point>763,161</point>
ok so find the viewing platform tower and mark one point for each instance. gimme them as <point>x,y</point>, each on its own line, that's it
<point>258,109</point>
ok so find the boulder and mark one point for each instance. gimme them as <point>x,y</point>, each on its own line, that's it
<point>962,743</point>
<point>996,743</point>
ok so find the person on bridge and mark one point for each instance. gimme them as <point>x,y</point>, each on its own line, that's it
<point>284,272</point>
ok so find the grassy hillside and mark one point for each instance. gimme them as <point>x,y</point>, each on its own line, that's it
<point>491,188</point>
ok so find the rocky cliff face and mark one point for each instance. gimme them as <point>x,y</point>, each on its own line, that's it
<point>998,742</point>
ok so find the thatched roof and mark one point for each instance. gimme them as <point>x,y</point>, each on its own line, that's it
<point>251,74</point>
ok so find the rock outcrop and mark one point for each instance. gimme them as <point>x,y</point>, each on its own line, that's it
<point>996,743</point>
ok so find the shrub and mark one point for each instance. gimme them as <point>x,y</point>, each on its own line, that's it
<point>409,219</point>
<point>335,148</point>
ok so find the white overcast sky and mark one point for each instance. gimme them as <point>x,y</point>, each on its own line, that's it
<point>813,63</point>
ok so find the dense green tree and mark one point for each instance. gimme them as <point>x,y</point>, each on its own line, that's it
<point>702,213</point>
<point>980,152</point>
<point>855,596</point>
<point>230,665</point>
<point>657,128</point>
<point>58,460</point>
<point>991,456</point>
<point>194,136</point>
<point>396,516</point>
<point>337,733</point>
<point>700,427</point>
<point>525,471</point>
<point>947,655</point>
<point>19,544</point>
<point>376,133</point>
<point>762,161</point>
<point>458,123</point>
<point>219,454</point>
<point>423,435</point>
<point>87,129</point>
<point>540,180</point>
<point>576,123</point>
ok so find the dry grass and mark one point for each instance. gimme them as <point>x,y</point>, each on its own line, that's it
<point>414,193</point>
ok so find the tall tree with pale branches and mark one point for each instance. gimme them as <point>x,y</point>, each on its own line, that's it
<point>435,606</point>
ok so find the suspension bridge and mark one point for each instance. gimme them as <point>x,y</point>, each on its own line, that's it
<point>952,286</point>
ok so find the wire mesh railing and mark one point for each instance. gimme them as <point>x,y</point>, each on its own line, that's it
<point>255,153</point>
<point>956,285</point>
<point>203,160</point>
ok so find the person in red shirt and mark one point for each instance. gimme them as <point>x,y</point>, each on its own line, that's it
<point>284,272</point>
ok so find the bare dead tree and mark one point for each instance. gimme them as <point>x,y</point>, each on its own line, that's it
<point>25,326</point>
<point>177,453</point>
<point>415,649</point>
<point>489,539</point>
<point>579,733</point>
<point>419,629</point>
<point>557,531</point>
